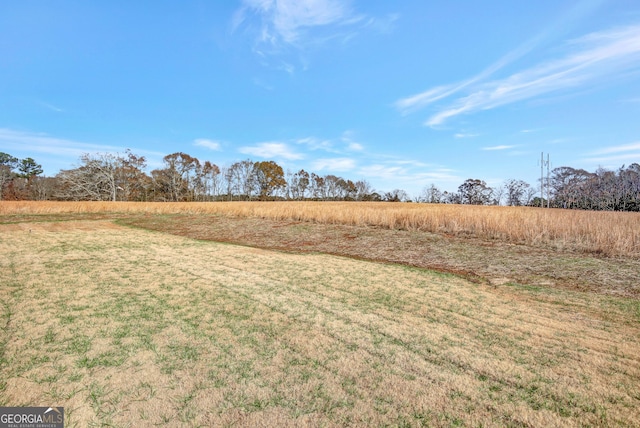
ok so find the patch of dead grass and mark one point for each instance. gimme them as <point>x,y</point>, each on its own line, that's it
<point>128,327</point>
<point>478,260</point>
<point>589,232</point>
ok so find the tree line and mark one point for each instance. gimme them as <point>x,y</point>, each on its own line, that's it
<point>184,178</point>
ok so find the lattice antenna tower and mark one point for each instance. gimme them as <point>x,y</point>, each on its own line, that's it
<point>544,163</point>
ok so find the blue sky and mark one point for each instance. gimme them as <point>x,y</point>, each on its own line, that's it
<point>403,94</point>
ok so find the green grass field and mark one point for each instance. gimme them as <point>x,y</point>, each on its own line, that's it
<point>126,327</point>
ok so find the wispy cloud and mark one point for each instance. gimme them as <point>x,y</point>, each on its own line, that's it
<point>617,149</point>
<point>561,24</point>
<point>281,27</point>
<point>407,175</point>
<point>593,59</point>
<point>384,24</point>
<point>271,149</point>
<point>465,135</point>
<point>61,152</point>
<point>51,107</point>
<point>347,138</point>
<point>503,147</point>
<point>209,144</point>
<point>47,145</point>
<point>560,140</point>
<point>314,143</point>
<point>383,171</point>
<point>418,101</point>
<point>614,161</point>
<point>345,143</point>
<point>288,21</point>
<point>334,164</point>
<point>262,84</point>
<point>614,155</point>
<point>415,102</point>
<point>409,162</point>
<point>441,176</point>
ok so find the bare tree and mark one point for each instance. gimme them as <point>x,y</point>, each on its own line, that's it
<point>179,179</point>
<point>630,187</point>
<point>363,190</point>
<point>318,187</point>
<point>133,184</point>
<point>529,195</point>
<point>498,194</point>
<point>475,192</point>
<point>42,188</point>
<point>94,180</point>
<point>518,192</point>
<point>242,178</point>
<point>298,184</point>
<point>332,187</point>
<point>567,185</point>
<point>227,175</point>
<point>431,194</point>
<point>104,177</point>
<point>397,195</point>
<point>210,179</point>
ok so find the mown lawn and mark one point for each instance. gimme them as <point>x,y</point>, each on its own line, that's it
<point>127,327</point>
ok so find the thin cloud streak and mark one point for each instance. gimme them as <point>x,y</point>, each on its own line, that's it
<point>291,28</point>
<point>271,149</point>
<point>317,144</point>
<point>51,107</point>
<point>350,143</point>
<point>43,143</point>
<point>284,21</point>
<point>503,147</point>
<point>408,175</point>
<point>624,153</point>
<point>293,15</point>
<point>627,158</point>
<point>209,144</point>
<point>598,55</point>
<point>415,102</point>
<point>334,164</point>
<point>383,171</point>
<point>561,24</point>
<point>618,149</point>
<point>341,145</point>
<point>66,151</point>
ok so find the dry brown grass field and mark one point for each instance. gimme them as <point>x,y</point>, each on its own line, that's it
<point>608,233</point>
<point>125,326</point>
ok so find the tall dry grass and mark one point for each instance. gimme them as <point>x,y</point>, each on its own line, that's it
<point>607,233</point>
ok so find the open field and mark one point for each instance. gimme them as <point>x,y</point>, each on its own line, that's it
<point>130,327</point>
<point>605,233</point>
<point>484,261</point>
<point>496,245</point>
